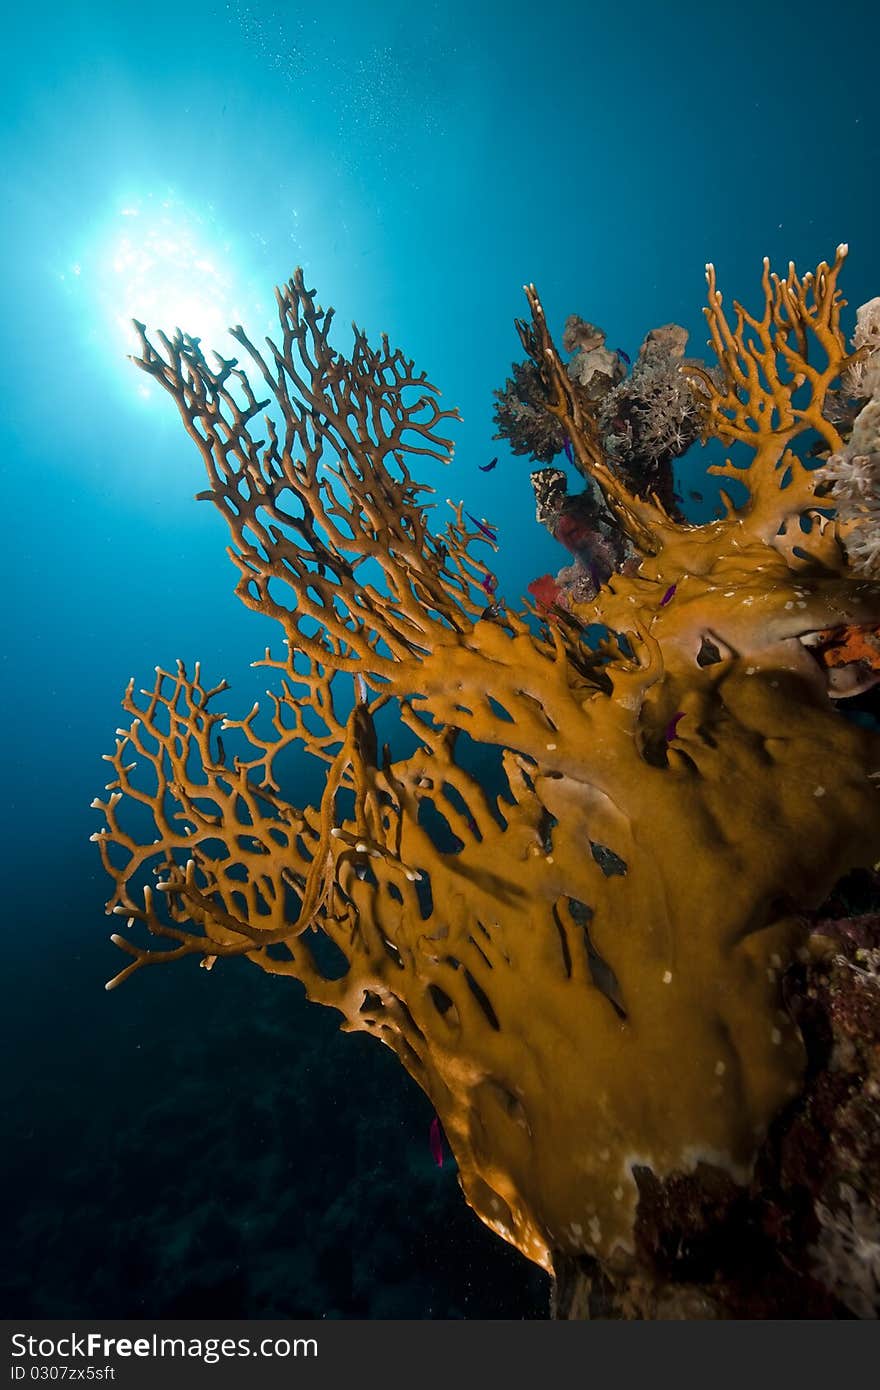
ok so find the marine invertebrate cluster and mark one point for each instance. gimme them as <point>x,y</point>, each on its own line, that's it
<point>583,524</point>
<point>545,958</point>
<point>644,420</point>
<point>650,418</point>
<point>853,476</point>
<point>862,377</point>
<point>521,416</point>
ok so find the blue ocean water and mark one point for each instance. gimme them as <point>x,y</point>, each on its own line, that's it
<point>208,1144</point>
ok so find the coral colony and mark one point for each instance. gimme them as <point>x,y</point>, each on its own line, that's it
<point>584,967</point>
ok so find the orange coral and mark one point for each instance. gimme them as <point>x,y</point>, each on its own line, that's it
<point>851,656</point>
<point>840,646</point>
<point>581,969</point>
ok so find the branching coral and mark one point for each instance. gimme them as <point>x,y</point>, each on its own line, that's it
<point>582,969</point>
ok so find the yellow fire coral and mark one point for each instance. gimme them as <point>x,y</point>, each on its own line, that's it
<point>581,969</point>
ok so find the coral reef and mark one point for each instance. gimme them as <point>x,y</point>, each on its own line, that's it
<point>585,527</point>
<point>853,478</point>
<point>862,377</point>
<point>522,419</point>
<point>581,957</point>
<point>593,366</point>
<point>645,420</point>
<point>800,1239</point>
<point>650,418</point>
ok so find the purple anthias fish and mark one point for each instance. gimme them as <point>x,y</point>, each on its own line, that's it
<point>490,583</point>
<point>435,1138</point>
<point>487,467</point>
<point>671,727</point>
<point>482,527</point>
<point>668,595</point>
<point>569,451</point>
<point>624,356</point>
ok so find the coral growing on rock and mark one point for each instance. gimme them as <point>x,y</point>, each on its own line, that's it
<point>584,526</point>
<point>862,377</point>
<point>645,420</point>
<point>522,419</point>
<point>584,969</point>
<point>853,476</point>
<point>650,418</point>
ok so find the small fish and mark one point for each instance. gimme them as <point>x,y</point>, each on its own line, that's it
<point>668,595</point>
<point>492,613</point>
<point>624,356</point>
<point>487,467</point>
<point>695,496</point>
<point>435,1139</point>
<point>669,732</point>
<point>482,527</point>
<point>569,451</point>
<point>489,583</point>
